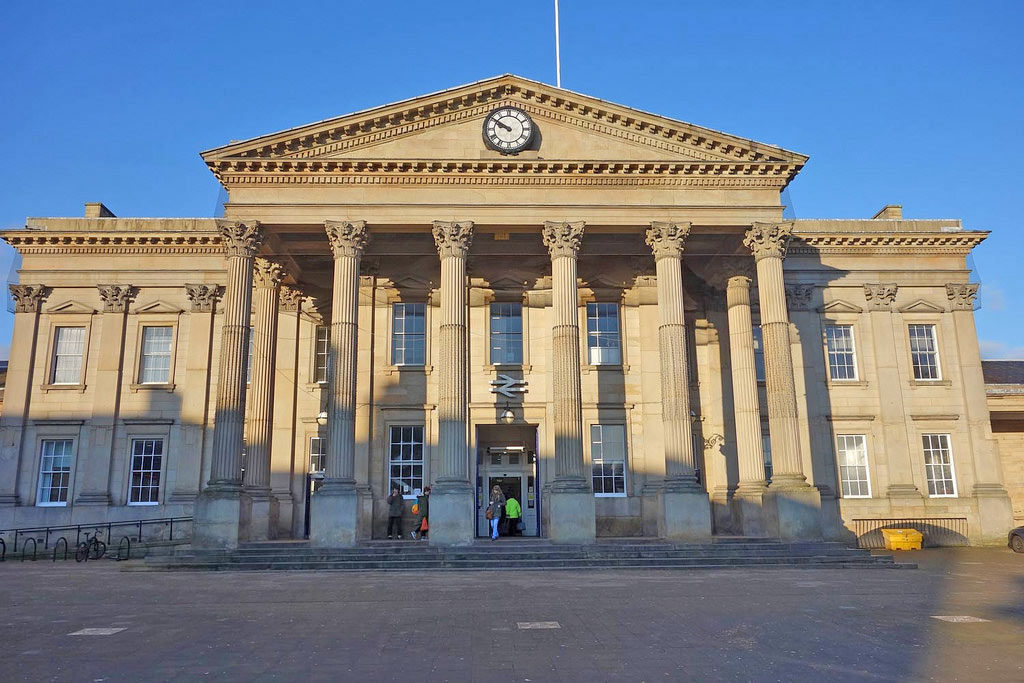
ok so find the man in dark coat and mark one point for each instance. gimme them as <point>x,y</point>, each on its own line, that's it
<point>396,506</point>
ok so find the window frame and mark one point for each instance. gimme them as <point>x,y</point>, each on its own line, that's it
<point>952,465</point>
<point>390,462</point>
<point>934,326</point>
<point>523,326</point>
<point>840,466</point>
<point>160,472</point>
<point>41,442</point>
<point>617,333</point>
<point>829,324</point>
<point>393,335</point>
<point>760,373</point>
<point>625,458</point>
<point>51,371</point>
<point>322,453</point>
<point>140,350</point>
<point>316,355</point>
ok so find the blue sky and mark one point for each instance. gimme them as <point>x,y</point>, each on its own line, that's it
<point>915,103</point>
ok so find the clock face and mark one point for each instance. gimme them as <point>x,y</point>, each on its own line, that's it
<point>508,130</point>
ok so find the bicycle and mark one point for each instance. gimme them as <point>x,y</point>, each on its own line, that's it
<point>91,548</point>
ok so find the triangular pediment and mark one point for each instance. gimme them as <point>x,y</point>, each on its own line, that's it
<point>840,306</point>
<point>446,128</point>
<point>922,306</point>
<point>70,306</point>
<point>157,307</point>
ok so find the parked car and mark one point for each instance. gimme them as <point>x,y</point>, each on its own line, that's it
<point>1017,539</point>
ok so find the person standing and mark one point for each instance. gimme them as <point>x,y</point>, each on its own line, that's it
<point>513,512</point>
<point>494,509</point>
<point>396,506</point>
<point>422,527</point>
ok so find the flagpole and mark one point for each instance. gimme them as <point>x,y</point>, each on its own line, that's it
<point>558,59</point>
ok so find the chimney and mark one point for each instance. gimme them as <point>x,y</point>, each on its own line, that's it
<point>98,210</point>
<point>890,212</point>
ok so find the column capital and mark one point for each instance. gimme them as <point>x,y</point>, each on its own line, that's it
<point>738,281</point>
<point>28,298</point>
<point>563,238</point>
<point>961,296</point>
<point>798,296</point>
<point>116,298</point>
<point>768,240</point>
<point>291,298</point>
<point>666,239</point>
<point>347,238</point>
<point>241,238</point>
<point>880,295</point>
<point>203,297</point>
<point>452,238</point>
<point>266,273</point>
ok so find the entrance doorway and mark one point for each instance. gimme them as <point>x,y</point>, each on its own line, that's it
<point>507,458</point>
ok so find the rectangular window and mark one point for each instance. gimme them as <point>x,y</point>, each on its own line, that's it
<point>408,334</point>
<point>842,359</point>
<point>317,454</point>
<point>248,362</point>
<point>68,348</point>
<point>938,465</point>
<point>924,352</point>
<point>758,353</point>
<point>603,339</point>
<point>852,454</point>
<point>608,459</point>
<point>147,459</point>
<point>155,363</point>
<point>405,460</point>
<point>506,334</point>
<point>321,352</point>
<point>55,471</point>
<point>766,454</point>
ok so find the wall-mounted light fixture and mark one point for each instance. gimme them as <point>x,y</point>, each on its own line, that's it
<point>321,418</point>
<point>507,416</point>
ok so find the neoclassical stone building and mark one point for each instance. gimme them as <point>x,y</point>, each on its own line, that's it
<point>600,310</point>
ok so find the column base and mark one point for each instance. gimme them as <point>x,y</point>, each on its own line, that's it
<point>452,515</point>
<point>793,513</point>
<point>748,511</point>
<point>685,516</point>
<point>572,517</point>
<point>216,517</point>
<point>334,518</point>
<point>995,514</point>
<point>722,518</point>
<point>258,516</point>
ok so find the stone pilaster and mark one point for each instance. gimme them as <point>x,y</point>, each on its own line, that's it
<point>96,457</point>
<point>685,510</point>
<point>995,511</point>
<point>334,508</point>
<point>793,507</point>
<point>28,300</point>
<point>571,509</point>
<point>259,507</point>
<point>452,517</point>
<point>218,507</point>
<point>749,499</point>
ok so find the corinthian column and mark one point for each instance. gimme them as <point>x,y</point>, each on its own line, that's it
<point>451,498</point>
<point>218,508</point>
<point>749,497</point>
<point>684,512</point>
<point>334,507</point>
<point>793,508</point>
<point>572,499</point>
<point>259,507</point>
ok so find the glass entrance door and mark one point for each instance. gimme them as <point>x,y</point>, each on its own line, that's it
<point>513,470</point>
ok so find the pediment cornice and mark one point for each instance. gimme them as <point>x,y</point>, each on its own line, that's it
<point>960,242</point>
<point>63,242</point>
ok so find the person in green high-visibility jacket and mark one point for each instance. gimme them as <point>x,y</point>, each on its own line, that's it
<point>513,511</point>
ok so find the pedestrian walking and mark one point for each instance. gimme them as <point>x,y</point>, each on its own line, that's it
<point>513,513</point>
<point>422,506</point>
<point>396,506</point>
<point>494,509</point>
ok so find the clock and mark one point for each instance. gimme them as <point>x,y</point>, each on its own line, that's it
<point>508,130</point>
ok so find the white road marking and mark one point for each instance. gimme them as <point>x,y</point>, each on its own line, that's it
<point>960,619</point>
<point>524,625</point>
<point>97,632</point>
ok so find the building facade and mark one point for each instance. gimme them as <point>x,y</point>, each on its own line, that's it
<point>600,310</point>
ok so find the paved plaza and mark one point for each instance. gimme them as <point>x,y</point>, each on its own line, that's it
<point>852,624</point>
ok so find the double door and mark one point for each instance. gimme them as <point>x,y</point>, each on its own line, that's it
<point>514,472</point>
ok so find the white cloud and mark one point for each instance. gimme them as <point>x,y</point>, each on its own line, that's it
<point>995,350</point>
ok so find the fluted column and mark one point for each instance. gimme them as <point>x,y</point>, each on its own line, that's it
<point>796,515</point>
<point>752,484</point>
<point>685,511</point>
<point>334,507</point>
<point>451,498</point>
<point>572,501</point>
<point>219,506</point>
<point>260,508</point>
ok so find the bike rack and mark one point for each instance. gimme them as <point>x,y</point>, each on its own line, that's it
<point>25,545</point>
<point>57,545</point>
<point>128,549</point>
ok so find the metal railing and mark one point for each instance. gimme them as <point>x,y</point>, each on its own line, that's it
<point>45,533</point>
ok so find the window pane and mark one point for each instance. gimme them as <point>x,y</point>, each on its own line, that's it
<point>144,487</point>
<point>938,465</point>
<point>54,472</point>
<point>405,467</point>
<point>68,347</point>
<point>608,458</point>
<point>924,351</point>
<point>321,350</point>
<point>842,362</point>
<point>758,353</point>
<point>408,334</point>
<point>852,454</point>
<point>603,340</point>
<point>506,334</point>
<point>155,364</point>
